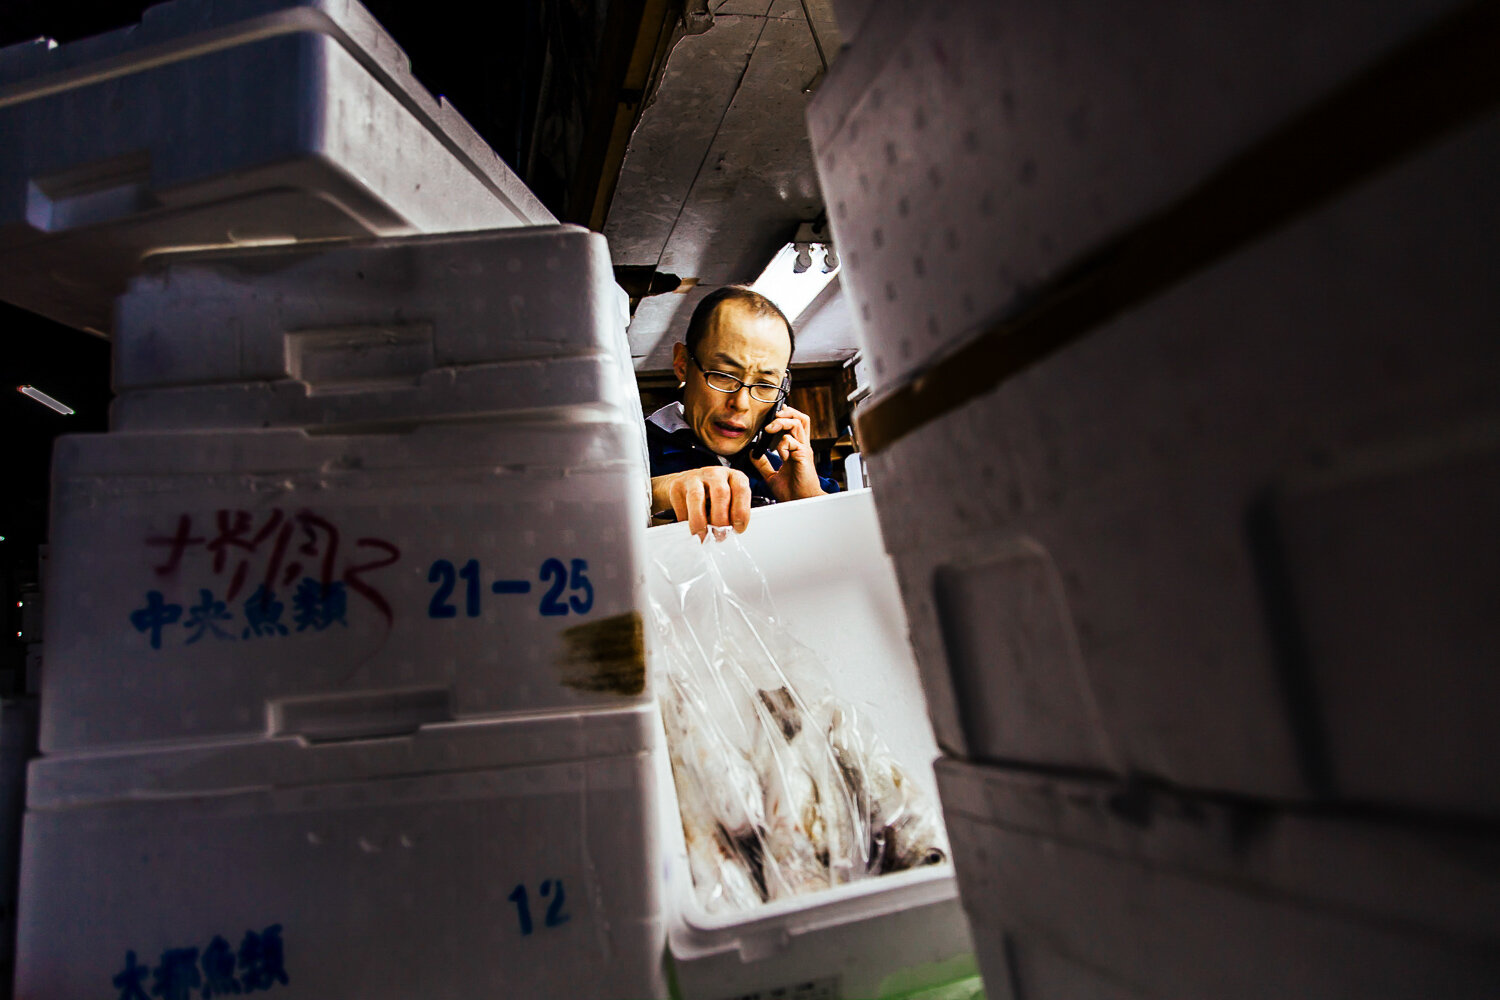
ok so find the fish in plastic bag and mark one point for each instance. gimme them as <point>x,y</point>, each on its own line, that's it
<point>718,795</point>
<point>793,802</point>
<point>782,789</point>
<point>902,828</point>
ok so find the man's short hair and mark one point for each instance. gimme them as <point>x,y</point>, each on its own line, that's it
<point>757,303</point>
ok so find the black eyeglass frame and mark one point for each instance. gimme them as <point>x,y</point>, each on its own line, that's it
<point>739,383</point>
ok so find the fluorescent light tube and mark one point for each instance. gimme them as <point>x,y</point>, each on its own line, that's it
<point>793,291</point>
<point>45,400</point>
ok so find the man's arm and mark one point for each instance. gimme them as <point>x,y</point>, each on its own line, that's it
<point>713,495</point>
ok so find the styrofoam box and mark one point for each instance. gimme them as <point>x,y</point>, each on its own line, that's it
<point>515,858</point>
<point>366,333</point>
<point>834,591</point>
<point>1241,538</point>
<point>969,153</point>
<point>224,122</point>
<point>471,569</point>
<point>1081,889</point>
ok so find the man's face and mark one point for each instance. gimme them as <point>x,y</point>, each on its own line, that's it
<point>750,347</point>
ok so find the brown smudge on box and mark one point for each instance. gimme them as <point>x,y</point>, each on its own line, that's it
<point>605,655</point>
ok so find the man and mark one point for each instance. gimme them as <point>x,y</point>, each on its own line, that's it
<point>734,370</point>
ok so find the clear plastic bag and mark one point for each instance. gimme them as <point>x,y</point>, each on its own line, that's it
<point>782,788</point>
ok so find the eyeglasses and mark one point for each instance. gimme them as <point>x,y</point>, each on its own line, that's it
<point>763,392</point>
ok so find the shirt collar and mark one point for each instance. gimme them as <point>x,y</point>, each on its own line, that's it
<point>669,418</point>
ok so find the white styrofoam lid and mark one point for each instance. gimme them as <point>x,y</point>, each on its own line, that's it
<point>282,152</point>
<point>170,770</point>
<point>367,311</point>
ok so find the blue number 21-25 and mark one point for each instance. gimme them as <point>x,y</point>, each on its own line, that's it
<point>562,578</point>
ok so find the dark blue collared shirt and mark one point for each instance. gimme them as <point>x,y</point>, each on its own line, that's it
<point>674,447</point>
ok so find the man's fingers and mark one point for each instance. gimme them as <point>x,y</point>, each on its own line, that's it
<point>792,421</point>
<point>764,467</point>
<point>697,523</point>
<point>718,502</point>
<point>739,508</point>
<point>678,495</point>
<point>789,448</point>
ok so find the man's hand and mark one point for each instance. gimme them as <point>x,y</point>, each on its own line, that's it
<point>797,478</point>
<point>714,495</point>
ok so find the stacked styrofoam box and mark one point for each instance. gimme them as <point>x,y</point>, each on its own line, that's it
<point>1157,894</point>
<point>1235,540</point>
<point>224,122</point>
<point>370,473</point>
<point>470,859</point>
<point>374,333</point>
<point>411,533</point>
<point>896,935</point>
<point>1092,553</point>
<point>968,153</point>
<point>369,644</point>
<point>1238,539</point>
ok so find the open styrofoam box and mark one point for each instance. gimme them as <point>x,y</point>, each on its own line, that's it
<point>835,592</point>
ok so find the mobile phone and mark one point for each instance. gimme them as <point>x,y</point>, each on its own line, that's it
<point>762,442</point>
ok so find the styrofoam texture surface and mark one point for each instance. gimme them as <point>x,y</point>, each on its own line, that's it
<point>377,333</point>
<point>393,887</point>
<point>1072,893</point>
<point>242,122</point>
<point>508,496</point>
<point>1388,558</point>
<point>587,387</point>
<point>91,777</point>
<point>539,293</point>
<point>851,15</point>
<point>1114,490</point>
<point>834,591</point>
<point>970,152</point>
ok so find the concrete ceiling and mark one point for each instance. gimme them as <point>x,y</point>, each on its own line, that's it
<point>719,170</point>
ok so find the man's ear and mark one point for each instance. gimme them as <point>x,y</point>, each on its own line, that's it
<point>680,361</point>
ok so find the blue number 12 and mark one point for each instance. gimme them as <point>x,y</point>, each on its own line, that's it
<point>555,915</point>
